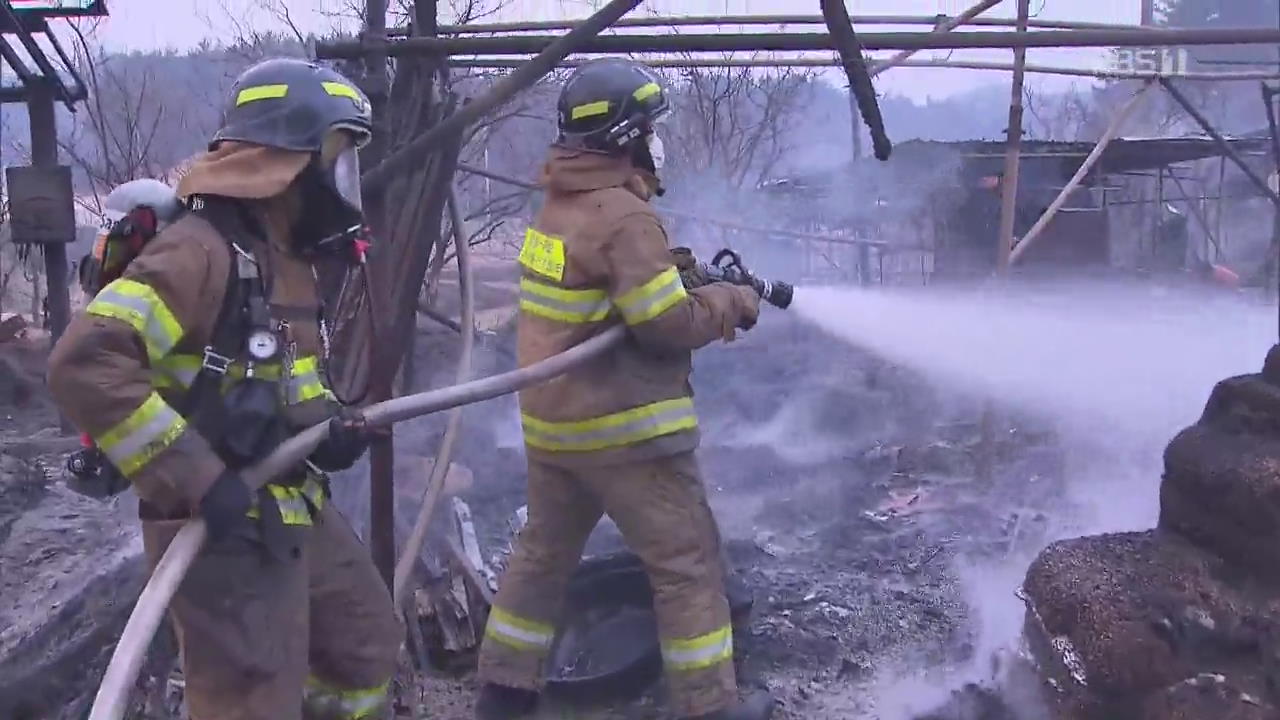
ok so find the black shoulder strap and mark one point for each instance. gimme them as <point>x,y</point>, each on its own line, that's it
<point>228,217</point>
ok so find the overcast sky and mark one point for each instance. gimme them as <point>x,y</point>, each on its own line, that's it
<point>146,24</point>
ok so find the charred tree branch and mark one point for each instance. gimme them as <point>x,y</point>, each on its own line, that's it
<point>855,70</point>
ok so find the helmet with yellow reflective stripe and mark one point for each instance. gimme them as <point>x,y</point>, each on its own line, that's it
<point>293,104</point>
<point>609,104</point>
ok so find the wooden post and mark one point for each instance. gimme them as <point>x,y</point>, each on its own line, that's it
<point>1009,181</point>
<point>44,154</point>
<point>382,481</point>
<point>1004,240</point>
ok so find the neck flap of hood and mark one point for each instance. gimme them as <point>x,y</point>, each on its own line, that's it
<point>571,170</point>
<point>241,170</point>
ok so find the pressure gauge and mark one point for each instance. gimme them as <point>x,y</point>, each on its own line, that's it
<point>263,345</point>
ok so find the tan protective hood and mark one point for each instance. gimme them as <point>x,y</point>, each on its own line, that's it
<point>241,170</point>
<point>573,170</point>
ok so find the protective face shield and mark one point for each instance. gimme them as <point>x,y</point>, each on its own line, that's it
<point>340,154</point>
<point>657,152</point>
<point>332,217</point>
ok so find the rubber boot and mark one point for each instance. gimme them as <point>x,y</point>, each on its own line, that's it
<point>499,702</point>
<point>758,705</point>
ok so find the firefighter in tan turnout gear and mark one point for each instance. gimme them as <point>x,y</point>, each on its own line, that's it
<point>617,434</point>
<point>200,359</point>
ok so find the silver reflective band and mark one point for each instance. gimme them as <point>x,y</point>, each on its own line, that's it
<point>678,416</point>
<point>346,177</point>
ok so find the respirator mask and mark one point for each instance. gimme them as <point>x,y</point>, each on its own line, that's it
<point>332,218</point>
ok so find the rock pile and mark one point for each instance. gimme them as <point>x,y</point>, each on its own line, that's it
<point>1182,621</point>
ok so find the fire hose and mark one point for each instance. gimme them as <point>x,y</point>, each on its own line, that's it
<point>126,662</point>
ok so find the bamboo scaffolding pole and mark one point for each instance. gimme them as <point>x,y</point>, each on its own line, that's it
<point>826,62</point>
<point>750,20</point>
<point>1009,180</point>
<point>440,469</point>
<point>1107,136</point>
<point>1222,142</point>
<point>947,26</point>
<point>783,42</point>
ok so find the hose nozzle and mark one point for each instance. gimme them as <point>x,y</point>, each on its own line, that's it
<point>777,294</point>
<point>727,266</point>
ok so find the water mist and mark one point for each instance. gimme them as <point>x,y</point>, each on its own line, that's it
<point>1116,368</point>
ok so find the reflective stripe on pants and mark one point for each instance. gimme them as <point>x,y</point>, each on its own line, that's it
<point>326,701</point>
<point>623,428</point>
<point>699,652</point>
<point>147,432</point>
<point>517,632</point>
<point>138,305</point>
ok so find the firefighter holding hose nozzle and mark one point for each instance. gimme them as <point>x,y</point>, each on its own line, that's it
<point>617,434</point>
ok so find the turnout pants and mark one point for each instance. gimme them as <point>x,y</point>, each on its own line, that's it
<point>304,631</point>
<point>661,508</point>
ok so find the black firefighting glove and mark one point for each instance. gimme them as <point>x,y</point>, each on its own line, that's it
<point>349,436</point>
<point>225,505</point>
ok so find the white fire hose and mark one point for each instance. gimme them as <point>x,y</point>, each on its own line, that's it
<point>126,662</point>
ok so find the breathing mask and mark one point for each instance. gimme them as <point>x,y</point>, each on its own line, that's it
<point>332,219</point>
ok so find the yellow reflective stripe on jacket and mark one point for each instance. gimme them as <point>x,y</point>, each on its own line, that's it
<point>324,700</point>
<point>653,298</point>
<point>517,632</point>
<point>176,370</point>
<point>699,652</point>
<point>623,428</point>
<point>569,306</point>
<point>138,305</point>
<point>304,383</point>
<point>180,370</point>
<point>295,502</point>
<point>147,431</point>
